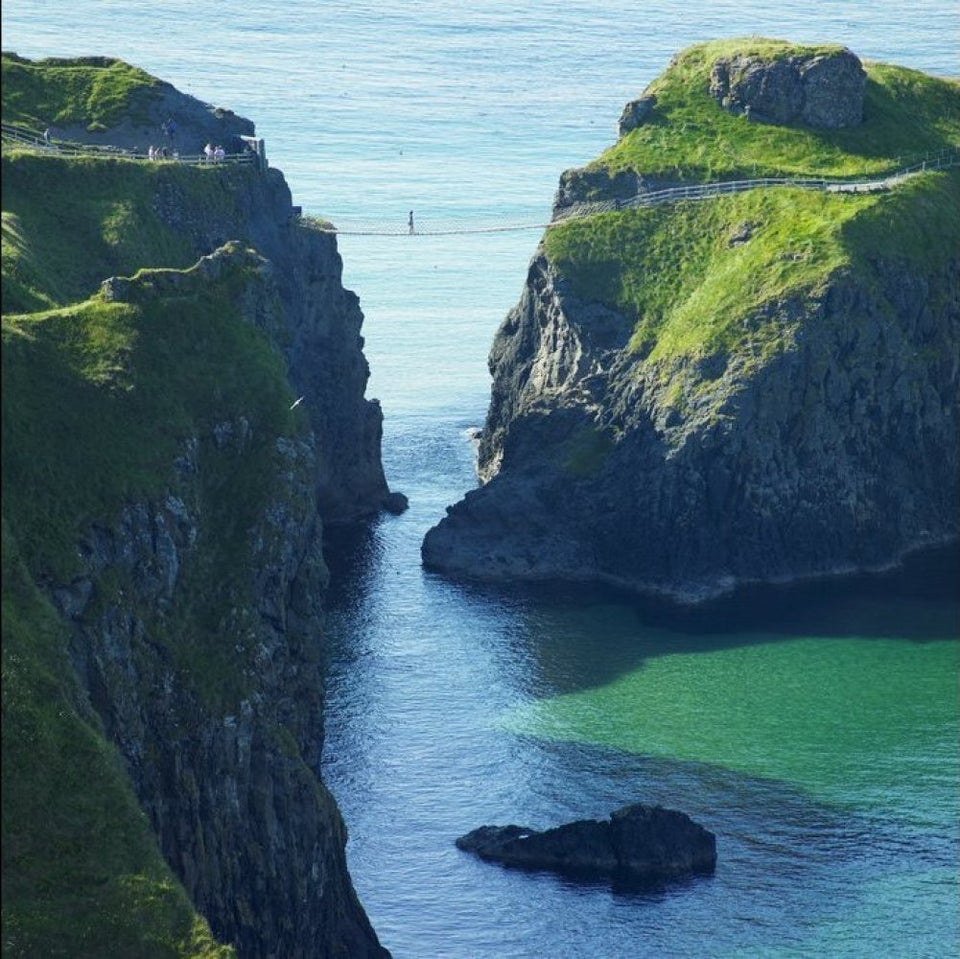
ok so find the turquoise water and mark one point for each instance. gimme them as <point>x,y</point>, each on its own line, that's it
<point>815,733</point>
<point>783,709</point>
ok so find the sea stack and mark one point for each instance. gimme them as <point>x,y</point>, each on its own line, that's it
<point>759,385</point>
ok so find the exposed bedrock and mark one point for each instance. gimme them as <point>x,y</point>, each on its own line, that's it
<point>820,90</point>
<point>836,453</point>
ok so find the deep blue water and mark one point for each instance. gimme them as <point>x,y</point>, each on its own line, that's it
<point>816,734</point>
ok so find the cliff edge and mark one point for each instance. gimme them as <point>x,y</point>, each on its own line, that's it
<point>759,385</point>
<point>183,414</point>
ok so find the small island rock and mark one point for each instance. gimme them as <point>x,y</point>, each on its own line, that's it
<point>638,842</point>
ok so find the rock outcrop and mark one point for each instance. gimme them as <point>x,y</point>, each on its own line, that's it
<point>774,83</point>
<point>817,435</point>
<point>637,843</point>
<point>636,113</point>
<point>821,90</point>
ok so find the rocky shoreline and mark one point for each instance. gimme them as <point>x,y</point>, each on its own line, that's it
<point>820,439</point>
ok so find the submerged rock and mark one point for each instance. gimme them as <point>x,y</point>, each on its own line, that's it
<point>638,842</point>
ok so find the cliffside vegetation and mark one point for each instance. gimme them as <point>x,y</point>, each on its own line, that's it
<point>688,137</point>
<point>689,273</point>
<point>105,391</point>
<point>97,91</point>
<point>97,398</point>
<point>82,874</point>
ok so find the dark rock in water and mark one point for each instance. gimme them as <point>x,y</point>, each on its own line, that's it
<point>638,842</point>
<point>396,503</point>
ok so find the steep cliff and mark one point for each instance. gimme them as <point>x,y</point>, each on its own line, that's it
<point>760,386</point>
<point>164,508</point>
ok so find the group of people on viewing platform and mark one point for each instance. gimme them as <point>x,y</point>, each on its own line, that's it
<point>162,153</point>
<point>211,154</point>
<point>214,154</point>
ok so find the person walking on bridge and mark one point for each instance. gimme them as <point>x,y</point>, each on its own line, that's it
<point>410,223</point>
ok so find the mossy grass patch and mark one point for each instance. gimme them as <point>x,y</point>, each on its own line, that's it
<point>690,137</point>
<point>95,92</point>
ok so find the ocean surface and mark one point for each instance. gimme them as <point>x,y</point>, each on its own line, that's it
<point>814,731</point>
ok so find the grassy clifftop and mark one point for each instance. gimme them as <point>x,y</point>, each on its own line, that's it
<point>689,136</point>
<point>96,92</point>
<point>99,396</point>
<point>690,273</point>
<point>97,217</point>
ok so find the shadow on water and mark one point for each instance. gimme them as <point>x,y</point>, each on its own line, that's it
<point>882,605</point>
<point>585,636</point>
<point>867,604</point>
<point>622,886</point>
<point>441,733</point>
<point>590,636</point>
<point>351,552</point>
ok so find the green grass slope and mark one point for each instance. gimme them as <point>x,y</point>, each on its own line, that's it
<point>98,398</point>
<point>69,223</point>
<point>690,273</point>
<point>907,114</point>
<point>96,92</point>
<point>679,271</point>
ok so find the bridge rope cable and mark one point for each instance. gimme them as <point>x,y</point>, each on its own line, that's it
<point>699,191</point>
<point>459,226</point>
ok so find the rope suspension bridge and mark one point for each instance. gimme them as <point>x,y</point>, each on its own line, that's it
<point>944,159</point>
<point>697,191</point>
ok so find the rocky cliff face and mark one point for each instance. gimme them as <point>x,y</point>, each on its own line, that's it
<point>321,331</point>
<point>822,90</point>
<point>210,685</point>
<point>195,614</point>
<point>787,409</point>
<point>840,454</point>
